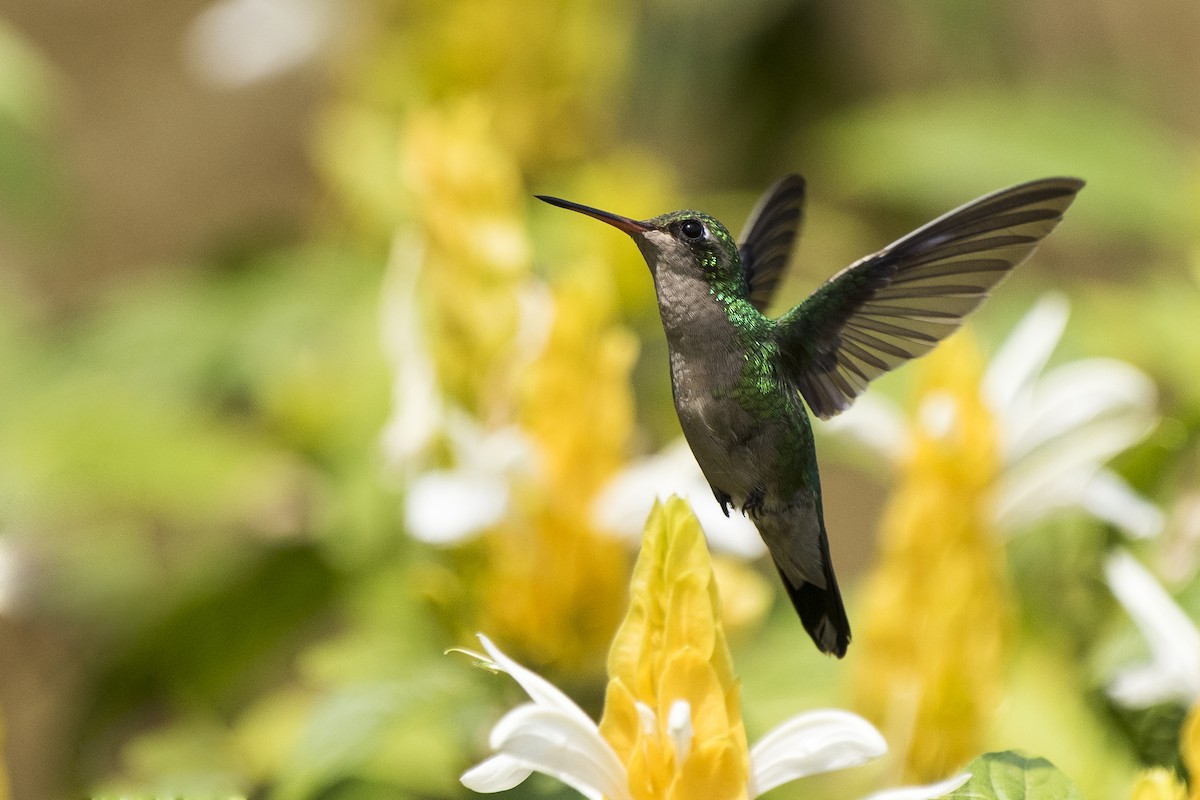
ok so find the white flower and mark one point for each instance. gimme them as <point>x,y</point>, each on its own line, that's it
<point>236,43</point>
<point>1173,673</point>
<point>625,502</point>
<point>1058,427</point>
<point>417,409</point>
<point>446,506</point>
<point>553,736</point>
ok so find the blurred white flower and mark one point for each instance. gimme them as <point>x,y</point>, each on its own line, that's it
<point>236,43</point>
<point>13,577</point>
<point>447,506</point>
<point>624,504</point>
<point>1058,428</point>
<point>1173,673</point>
<point>417,406</point>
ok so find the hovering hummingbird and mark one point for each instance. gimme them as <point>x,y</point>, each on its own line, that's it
<point>737,375</point>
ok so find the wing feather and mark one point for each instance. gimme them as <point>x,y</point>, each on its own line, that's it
<point>766,245</point>
<point>899,303</point>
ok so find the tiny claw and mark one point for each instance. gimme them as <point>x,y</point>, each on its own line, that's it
<point>724,499</point>
<point>754,503</point>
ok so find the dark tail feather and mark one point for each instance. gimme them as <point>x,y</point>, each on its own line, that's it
<point>795,536</point>
<point>821,611</point>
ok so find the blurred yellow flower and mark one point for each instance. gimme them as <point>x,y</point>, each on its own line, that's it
<point>935,612</point>
<point>552,588</point>
<point>554,580</point>
<point>474,251</point>
<point>549,77</point>
<point>552,72</point>
<point>1189,748</point>
<point>672,725</point>
<point>575,399</point>
<point>1158,784</point>
<point>1163,784</point>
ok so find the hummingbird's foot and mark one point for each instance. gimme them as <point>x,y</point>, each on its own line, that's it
<point>754,502</point>
<point>724,499</point>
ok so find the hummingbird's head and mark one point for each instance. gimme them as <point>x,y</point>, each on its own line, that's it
<point>682,241</point>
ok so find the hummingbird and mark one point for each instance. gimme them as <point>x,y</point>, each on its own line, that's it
<point>741,379</point>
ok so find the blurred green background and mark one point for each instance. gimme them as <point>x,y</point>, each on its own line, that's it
<point>207,587</point>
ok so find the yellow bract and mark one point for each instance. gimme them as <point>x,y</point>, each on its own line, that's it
<point>671,648</point>
<point>934,615</point>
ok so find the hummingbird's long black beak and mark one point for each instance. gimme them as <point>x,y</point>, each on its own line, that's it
<point>630,226</point>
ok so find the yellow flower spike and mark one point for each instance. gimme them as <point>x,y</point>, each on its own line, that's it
<point>672,710</point>
<point>467,195</point>
<point>935,612</point>
<point>575,399</point>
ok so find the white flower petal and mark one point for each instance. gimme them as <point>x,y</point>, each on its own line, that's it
<point>541,691</point>
<point>734,534</point>
<point>13,575</point>
<point>416,401</point>
<point>647,717</point>
<point>496,774</point>
<point>873,423</point>
<point>623,505</point>
<point>447,506</point>
<point>812,743</point>
<point>1151,684</point>
<point>926,792</point>
<point>938,414</point>
<point>489,451</point>
<point>1072,399</point>
<point>1025,352</point>
<point>1174,641</point>
<point>1110,498</point>
<point>1057,477</point>
<point>558,744</point>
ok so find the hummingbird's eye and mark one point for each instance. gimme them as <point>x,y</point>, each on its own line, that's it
<point>691,229</point>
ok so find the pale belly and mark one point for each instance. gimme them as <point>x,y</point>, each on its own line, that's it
<point>743,455</point>
<point>730,444</point>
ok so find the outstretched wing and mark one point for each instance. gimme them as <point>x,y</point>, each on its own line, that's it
<point>898,303</point>
<point>766,242</point>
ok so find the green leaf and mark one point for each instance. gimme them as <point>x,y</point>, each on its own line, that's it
<point>1012,775</point>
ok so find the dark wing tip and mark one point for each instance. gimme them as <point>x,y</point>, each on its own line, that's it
<point>765,244</point>
<point>898,303</point>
